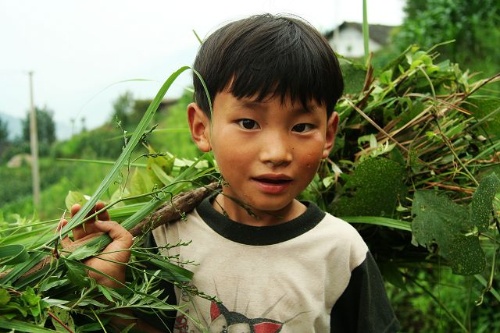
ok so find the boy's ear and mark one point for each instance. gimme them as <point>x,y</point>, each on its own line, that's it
<point>331,131</point>
<point>199,125</point>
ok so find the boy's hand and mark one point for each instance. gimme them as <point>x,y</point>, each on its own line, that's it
<point>111,262</point>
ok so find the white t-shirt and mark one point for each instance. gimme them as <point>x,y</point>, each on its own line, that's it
<point>311,274</point>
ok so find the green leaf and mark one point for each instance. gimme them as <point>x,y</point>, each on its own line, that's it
<point>380,221</point>
<point>105,292</point>
<point>438,220</point>
<point>13,254</point>
<point>487,110</point>
<point>90,248</point>
<point>30,297</point>
<point>74,198</point>
<point>363,191</point>
<point>172,272</point>
<point>77,273</point>
<point>354,76</point>
<point>4,297</point>
<point>125,155</point>
<point>482,202</point>
<point>63,316</point>
<point>140,183</point>
<point>22,326</point>
<point>21,268</point>
<point>32,302</point>
<point>160,174</point>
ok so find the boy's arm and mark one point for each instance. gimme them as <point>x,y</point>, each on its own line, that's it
<point>364,306</point>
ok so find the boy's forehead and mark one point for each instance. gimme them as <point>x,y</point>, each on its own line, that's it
<point>257,100</point>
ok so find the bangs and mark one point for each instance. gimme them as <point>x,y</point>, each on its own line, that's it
<point>268,56</point>
<point>289,71</point>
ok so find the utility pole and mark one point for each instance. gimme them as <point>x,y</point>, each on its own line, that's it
<point>35,172</point>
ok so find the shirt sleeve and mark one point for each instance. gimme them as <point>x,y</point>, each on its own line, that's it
<point>364,306</point>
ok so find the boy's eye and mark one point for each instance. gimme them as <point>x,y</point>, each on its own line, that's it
<point>303,127</point>
<point>248,124</point>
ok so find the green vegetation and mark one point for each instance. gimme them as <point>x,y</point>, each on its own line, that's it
<point>464,30</point>
<point>414,169</point>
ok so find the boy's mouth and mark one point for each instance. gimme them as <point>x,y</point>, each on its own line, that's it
<point>273,180</point>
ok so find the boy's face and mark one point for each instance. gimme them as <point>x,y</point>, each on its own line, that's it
<point>267,152</point>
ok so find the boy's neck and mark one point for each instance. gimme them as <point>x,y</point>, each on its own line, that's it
<point>246,215</point>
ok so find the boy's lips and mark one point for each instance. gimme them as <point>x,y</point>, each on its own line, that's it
<point>273,184</point>
<point>273,178</point>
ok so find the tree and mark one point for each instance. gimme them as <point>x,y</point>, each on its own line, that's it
<point>46,128</point>
<point>4,136</point>
<point>4,132</point>
<point>473,25</point>
<point>122,109</point>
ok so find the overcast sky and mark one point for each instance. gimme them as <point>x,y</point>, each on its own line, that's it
<point>85,53</point>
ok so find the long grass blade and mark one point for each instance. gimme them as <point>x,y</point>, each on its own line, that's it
<point>125,155</point>
<point>380,221</point>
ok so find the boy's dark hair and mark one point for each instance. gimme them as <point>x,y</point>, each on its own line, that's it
<point>268,55</point>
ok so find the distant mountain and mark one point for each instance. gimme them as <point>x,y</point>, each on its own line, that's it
<point>63,131</point>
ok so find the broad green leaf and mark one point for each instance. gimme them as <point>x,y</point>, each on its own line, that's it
<point>140,183</point>
<point>439,221</point>
<point>30,297</point>
<point>354,76</point>
<point>374,189</point>
<point>54,281</point>
<point>487,111</point>
<point>482,202</point>
<point>73,198</point>
<point>164,161</point>
<point>159,173</point>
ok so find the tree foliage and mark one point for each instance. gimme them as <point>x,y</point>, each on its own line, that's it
<point>122,109</point>
<point>46,127</point>
<point>472,25</point>
<point>4,132</point>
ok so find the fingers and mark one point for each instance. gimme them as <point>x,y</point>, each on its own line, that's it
<point>89,226</point>
<point>116,232</point>
<point>103,215</point>
<point>74,209</point>
<point>118,251</point>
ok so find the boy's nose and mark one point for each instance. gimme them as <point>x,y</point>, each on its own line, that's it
<point>276,150</point>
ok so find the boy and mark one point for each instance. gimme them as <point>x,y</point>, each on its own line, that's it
<point>275,264</point>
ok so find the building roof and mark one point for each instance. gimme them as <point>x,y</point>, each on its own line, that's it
<point>378,32</point>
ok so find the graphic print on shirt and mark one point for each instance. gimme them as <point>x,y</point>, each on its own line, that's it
<point>225,321</point>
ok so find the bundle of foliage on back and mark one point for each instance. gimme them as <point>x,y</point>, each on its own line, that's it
<point>419,143</point>
<point>415,169</point>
